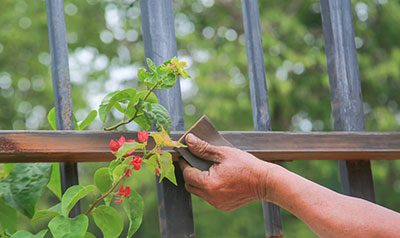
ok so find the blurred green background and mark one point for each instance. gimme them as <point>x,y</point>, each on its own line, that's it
<point>106,48</point>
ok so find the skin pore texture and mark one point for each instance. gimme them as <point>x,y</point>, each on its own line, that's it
<point>238,178</point>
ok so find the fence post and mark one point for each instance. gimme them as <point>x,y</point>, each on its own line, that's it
<point>174,202</point>
<point>259,98</point>
<point>61,85</point>
<point>346,98</point>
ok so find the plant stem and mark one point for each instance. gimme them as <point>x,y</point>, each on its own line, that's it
<point>105,195</point>
<point>115,185</point>
<point>136,112</point>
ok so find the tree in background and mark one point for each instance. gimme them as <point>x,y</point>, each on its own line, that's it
<point>106,48</point>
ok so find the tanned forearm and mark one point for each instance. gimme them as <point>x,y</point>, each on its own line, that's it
<point>237,178</point>
<point>327,213</point>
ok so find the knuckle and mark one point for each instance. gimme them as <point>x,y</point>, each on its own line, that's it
<point>203,146</point>
<point>214,185</point>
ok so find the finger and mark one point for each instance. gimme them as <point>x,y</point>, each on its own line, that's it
<point>183,164</point>
<point>192,175</point>
<point>202,148</point>
<point>194,190</point>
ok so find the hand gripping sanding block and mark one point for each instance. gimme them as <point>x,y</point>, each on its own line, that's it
<point>206,131</point>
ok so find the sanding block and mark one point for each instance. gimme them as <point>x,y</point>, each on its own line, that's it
<point>205,130</point>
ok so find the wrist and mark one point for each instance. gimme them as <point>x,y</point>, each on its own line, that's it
<point>268,180</point>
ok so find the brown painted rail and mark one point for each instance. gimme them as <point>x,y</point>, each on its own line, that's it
<point>92,146</point>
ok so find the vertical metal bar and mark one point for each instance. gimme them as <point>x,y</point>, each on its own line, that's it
<point>175,205</point>
<point>259,98</point>
<point>61,84</point>
<point>346,98</point>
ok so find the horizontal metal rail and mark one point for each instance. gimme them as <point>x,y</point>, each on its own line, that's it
<point>92,146</point>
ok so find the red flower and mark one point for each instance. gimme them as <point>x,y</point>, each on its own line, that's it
<point>136,162</point>
<point>125,192</point>
<point>118,200</point>
<point>121,140</point>
<point>115,145</point>
<point>128,173</point>
<point>143,136</point>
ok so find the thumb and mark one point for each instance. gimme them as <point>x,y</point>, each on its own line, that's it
<point>203,149</point>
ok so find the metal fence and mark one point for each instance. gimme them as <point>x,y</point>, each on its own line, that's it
<point>175,209</point>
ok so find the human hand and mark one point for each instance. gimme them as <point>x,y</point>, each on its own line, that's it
<point>235,179</point>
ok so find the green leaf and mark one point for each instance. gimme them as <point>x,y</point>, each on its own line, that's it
<point>45,215</point>
<point>132,105</point>
<point>128,147</point>
<point>134,207</point>
<point>151,65</point>
<point>111,99</point>
<point>168,82</point>
<point>89,119</point>
<point>55,180</point>
<point>24,186</point>
<point>27,234</point>
<point>119,107</point>
<point>157,115</point>
<point>151,163</point>
<point>22,234</point>
<point>51,118</point>
<point>143,123</point>
<point>89,235</point>
<point>8,217</point>
<point>152,98</point>
<point>119,171</point>
<point>63,227</point>
<point>142,75</point>
<point>102,180</point>
<point>167,167</point>
<point>113,164</point>
<point>7,168</point>
<point>109,221</point>
<point>73,195</point>
<point>76,127</point>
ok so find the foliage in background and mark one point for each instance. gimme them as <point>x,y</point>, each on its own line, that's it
<point>107,51</point>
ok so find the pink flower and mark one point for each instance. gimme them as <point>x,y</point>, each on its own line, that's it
<point>143,136</point>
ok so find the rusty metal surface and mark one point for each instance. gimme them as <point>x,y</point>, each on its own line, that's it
<point>92,146</point>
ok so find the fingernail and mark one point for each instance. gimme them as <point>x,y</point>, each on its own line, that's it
<point>191,139</point>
